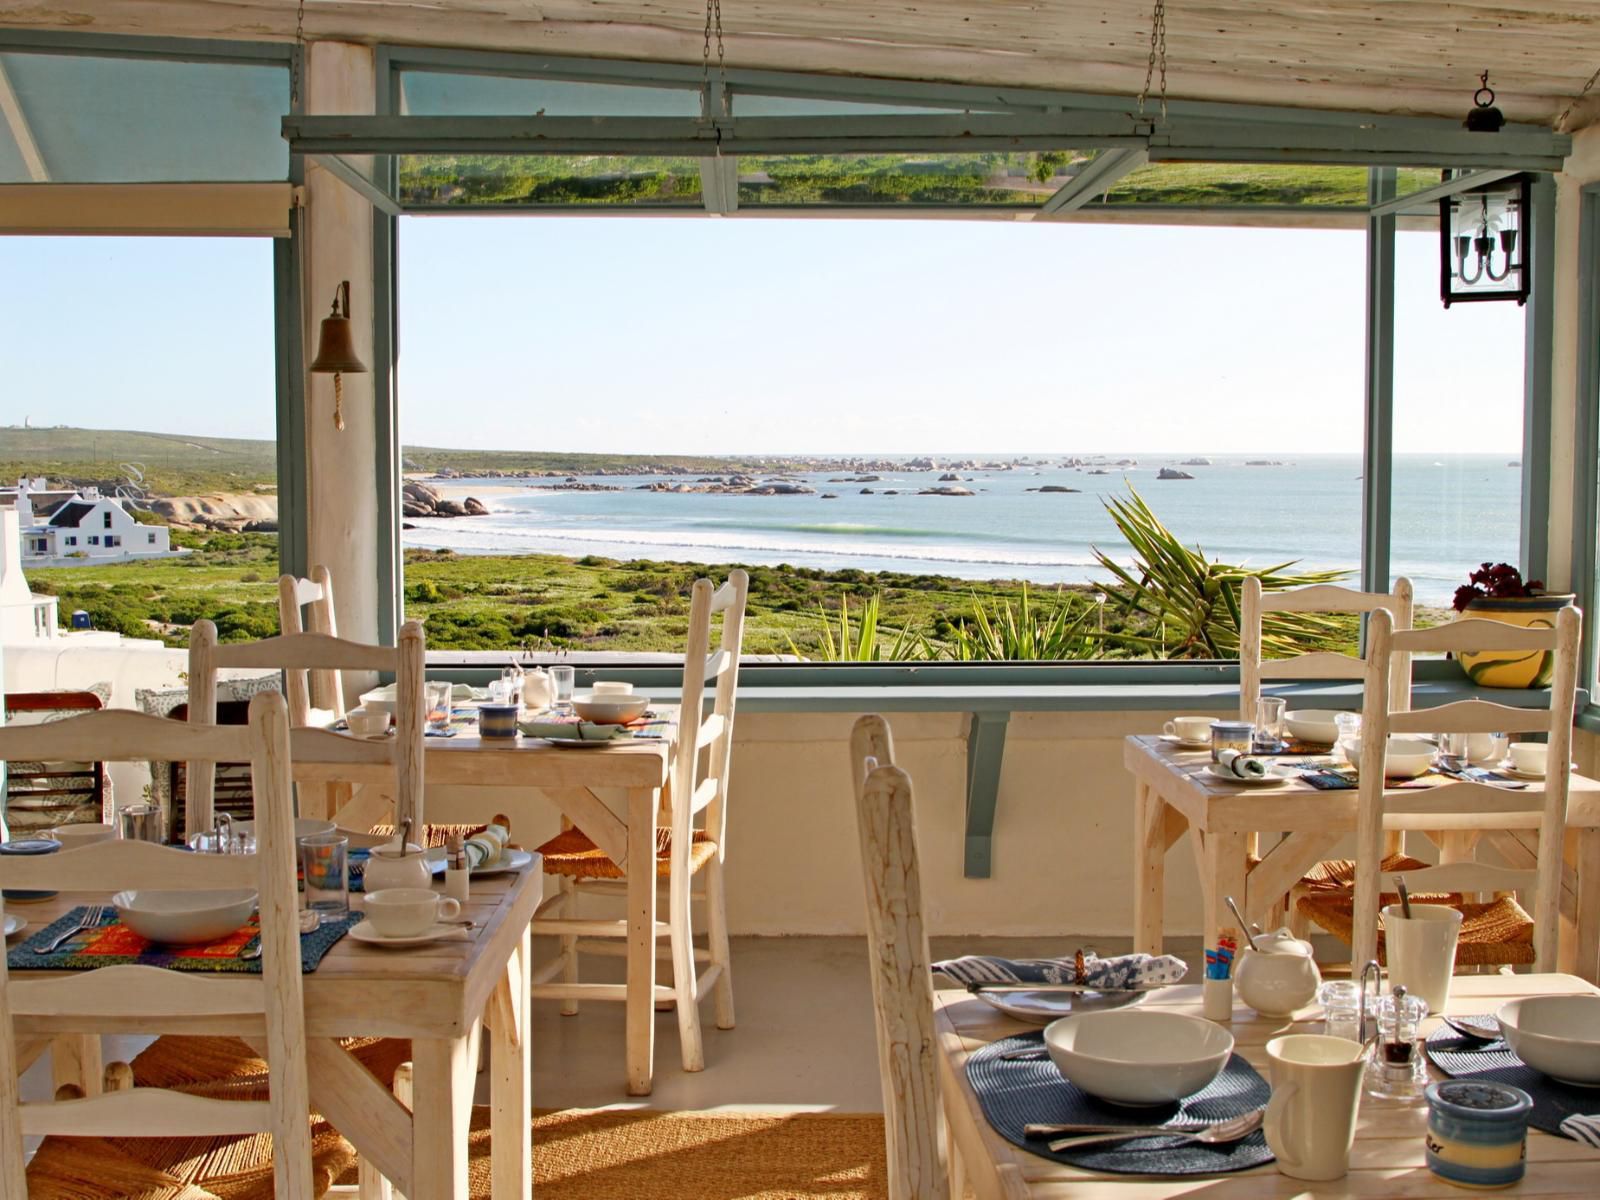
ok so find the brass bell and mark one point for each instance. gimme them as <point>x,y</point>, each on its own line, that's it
<point>336,349</point>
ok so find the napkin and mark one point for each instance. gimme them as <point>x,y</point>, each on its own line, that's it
<point>1124,972</point>
<point>1583,1129</point>
<point>485,847</point>
<point>586,731</point>
<point>1245,766</point>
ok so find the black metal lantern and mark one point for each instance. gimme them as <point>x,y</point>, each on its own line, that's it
<point>1484,235</point>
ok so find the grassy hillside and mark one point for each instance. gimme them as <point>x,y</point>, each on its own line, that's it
<point>172,464</point>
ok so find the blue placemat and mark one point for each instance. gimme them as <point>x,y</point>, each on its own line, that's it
<point>1019,1092</point>
<point>112,944</point>
<point>1467,1058</point>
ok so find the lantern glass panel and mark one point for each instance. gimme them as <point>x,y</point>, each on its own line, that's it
<point>1483,243</point>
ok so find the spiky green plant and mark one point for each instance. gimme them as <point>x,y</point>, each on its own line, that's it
<point>861,641</point>
<point>1194,600</point>
<point>1037,632</point>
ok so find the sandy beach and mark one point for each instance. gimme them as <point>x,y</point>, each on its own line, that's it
<point>452,491</point>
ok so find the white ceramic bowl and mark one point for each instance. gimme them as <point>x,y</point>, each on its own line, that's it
<point>1138,1056</point>
<point>184,918</point>
<point>1558,1035</point>
<point>611,687</point>
<point>609,710</point>
<point>1406,758</point>
<point>1312,725</point>
<point>73,836</point>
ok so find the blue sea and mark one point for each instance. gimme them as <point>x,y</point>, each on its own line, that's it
<point>1450,513</point>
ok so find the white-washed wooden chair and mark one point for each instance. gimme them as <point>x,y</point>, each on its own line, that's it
<point>394,762</point>
<point>316,696</point>
<point>1488,806</point>
<point>897,955</point>
<point>693,844</point>
<point>268,1009</point>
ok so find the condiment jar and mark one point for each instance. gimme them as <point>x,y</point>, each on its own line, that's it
<point>1477,1132</point>
<point>1278,975</point>
<point>1398,1068</point>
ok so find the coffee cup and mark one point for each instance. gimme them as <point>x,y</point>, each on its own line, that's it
<point>73,836</point>
<point>408,912</point>
<point>1531,758</point>
<point>1316,1089</point>
<point>1189,729</point>
<point>368,722</point>
<point>1421,949</point>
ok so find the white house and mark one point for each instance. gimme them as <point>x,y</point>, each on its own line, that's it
<point>68,528</point>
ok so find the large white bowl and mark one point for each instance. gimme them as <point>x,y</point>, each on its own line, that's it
<point>184,918</point>
<point>1406,757</point>
<point>609,709</point>
<point>1312,725</point>
<point>1559,1035</point>
<point>1138,1056</point>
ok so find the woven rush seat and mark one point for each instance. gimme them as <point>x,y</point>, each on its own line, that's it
<point>1498,933</point>
<point>571,853</point>
<point>1339,875</point>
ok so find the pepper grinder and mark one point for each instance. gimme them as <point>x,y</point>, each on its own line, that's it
<point>1397,1069</point>
<point>457,876</point>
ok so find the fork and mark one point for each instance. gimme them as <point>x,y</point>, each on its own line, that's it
<point>91,918</point>
<point>1211,1135</point>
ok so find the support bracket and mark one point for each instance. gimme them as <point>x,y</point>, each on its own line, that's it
<point>986,746</point>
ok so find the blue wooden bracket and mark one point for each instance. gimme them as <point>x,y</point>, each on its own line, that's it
<point>986,747</point>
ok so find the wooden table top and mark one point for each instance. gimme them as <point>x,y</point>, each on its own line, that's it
<point>1387,1160</point>
<point>433,990</point>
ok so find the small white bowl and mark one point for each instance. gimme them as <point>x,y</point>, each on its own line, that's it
<point>1312,725</point>
<point>1138,1056</point>
<point>606,687</point>
<point>1558,1035</point>
<point>609,710</point>
<point>368,722</point>
<point>184,918</point>
<point>73,836</point>
<point>1406,757</point>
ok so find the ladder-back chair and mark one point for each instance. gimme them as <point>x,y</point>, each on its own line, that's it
<point>694,843</point>
<point>316,696</point>
<point>152,999</point>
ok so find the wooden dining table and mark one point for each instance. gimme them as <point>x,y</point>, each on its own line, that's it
<point>1175,795</point>
<point>442,996</point>
<point>1386,1161</point>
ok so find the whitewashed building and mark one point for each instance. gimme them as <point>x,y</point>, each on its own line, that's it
<point>70,528</point>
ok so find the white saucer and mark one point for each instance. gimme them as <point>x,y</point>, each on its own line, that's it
<point>1269,780</point>
<point>363,931</point>
<point>1044,1005</point>
<point>1173,739</point>
<point>514,860</point>
<point>587,743</point>
<point>14,925</point>
<point>1508,769</point>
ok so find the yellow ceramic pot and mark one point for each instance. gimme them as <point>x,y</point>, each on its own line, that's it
<point>1513,668</point>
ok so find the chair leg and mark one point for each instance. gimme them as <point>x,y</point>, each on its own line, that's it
<point>683,973</point>
<point>370,1183</point>
<point>569,942</point>
<point>717,937</point>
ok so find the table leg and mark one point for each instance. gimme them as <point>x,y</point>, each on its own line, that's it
<point>75,1061</point>
<point>510,1093</point>
<point>1152,837</point>
<point>1586,920</point>
<point>442,1079</point>
<point>641,1006</point>
<point>1224,875</point>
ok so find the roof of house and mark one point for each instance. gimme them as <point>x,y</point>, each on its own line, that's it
<point>70,514</point>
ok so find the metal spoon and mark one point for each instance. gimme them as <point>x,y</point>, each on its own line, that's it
<point>1405,897</point>
<point>1222,1132</point>
<point>1243,924</point>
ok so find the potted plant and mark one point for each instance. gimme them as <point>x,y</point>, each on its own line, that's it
<point>1496,591</point>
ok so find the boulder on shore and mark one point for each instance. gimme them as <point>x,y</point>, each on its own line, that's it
<point>475,507</point>
<point>1053,487</point>
<point>946,491</point>
<point>449,508</point>
<point>1172,473</point>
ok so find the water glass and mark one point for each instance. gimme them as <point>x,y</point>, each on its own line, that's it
<point>438,703</point>
<point>562,680</point>
<point>1341,1009</point>
<point>324,862</point>
<point>141,823</point>
<point>1269,722</point>
<point>1349,726</point>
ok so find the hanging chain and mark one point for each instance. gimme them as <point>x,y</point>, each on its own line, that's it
<point>713,27</point>
<point>299,52</point>
<point>1158,57</point>
<point>1561,121</point>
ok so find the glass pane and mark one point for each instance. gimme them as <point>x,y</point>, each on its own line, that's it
<point>1457,430</point>
<point>549,180</point>
<point>126,120</point>
<point>1023,180</point>
<point>745,105</point>
<point>435,94</point>
<point>1212,185</point>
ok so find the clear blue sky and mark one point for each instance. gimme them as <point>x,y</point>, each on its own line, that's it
<point>662,335</point>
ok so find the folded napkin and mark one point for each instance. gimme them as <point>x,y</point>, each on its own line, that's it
<point>1583,1129</point>
<point>586,731</point>
<point>1124,972</point>
<point>485,847</point>
<point>1243,765</point>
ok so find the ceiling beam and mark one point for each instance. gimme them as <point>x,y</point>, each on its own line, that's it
<point>1426,196</point>
<point>21,132</point>
<point>1097,175</point>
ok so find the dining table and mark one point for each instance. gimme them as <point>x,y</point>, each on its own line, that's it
<point>445,996</point>
<point>1387,1159</point>
<point>1175,794</point>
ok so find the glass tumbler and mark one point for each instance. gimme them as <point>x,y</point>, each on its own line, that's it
<point>324,864</point>
<point>562,680</point>
<point>438,704</point>
<point>1269,722</point>
<point>141,823</point>
<point>1341,1009</point>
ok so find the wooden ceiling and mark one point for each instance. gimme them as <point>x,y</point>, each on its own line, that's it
<point>1372,55</point>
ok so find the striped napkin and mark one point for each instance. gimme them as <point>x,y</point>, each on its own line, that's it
<point>1244,766</point>
<point>1583,1129</point>
<point>1127,972</point>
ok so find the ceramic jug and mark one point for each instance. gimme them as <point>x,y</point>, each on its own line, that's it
<point>391,867</point>
<point>1278,976</point>
<point>537,692</point>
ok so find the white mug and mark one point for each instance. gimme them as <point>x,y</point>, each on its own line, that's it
<point>408,912</point>
<point>1531,758</point>
<point>1316,1090</point>
<point>368,722</point>
<point>1189,729</point>
<point>1421,950</point>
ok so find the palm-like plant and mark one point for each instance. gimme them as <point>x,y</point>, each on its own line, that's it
<point>1194,600</point>
<point>1040,633</point>
<point>860,642</point>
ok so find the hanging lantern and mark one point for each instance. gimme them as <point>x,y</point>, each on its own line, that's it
<point>336,350</point>
<point>1484,235</point>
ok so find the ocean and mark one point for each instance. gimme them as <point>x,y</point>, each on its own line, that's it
<point>1450,512</point>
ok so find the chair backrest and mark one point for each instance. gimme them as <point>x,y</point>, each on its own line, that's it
<point>157,1000</point>
<point>897,954</point>
<point>705,738</point>
<point>47,794</point>
<point>320,687</point>
<point>1482,801</point>
<point>316,651</point>
<point>1255,604</point>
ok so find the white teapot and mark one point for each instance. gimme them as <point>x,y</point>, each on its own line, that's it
<point>1278,976</point>
<point>537,690</point>
<point>399,865</point>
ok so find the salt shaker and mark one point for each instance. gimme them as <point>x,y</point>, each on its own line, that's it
<point>457,877</point>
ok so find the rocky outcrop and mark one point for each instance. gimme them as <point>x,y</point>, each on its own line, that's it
<point>417,499</point>
<point>949,477</point>
<point>475,507</point>
<point>1195,462</point>
<point>220,510</point>
<point>1052,487</point>
<point>946,491</point>
<point>1172,473</point>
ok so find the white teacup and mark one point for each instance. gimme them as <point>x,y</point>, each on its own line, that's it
<point>602,687</point>
<point>1422,949</point>
<point>1189,729</point>
<point>1316,1090</point>
<point>73,836</point>
<point>1531,758</point>
<point>408,912</point>
<point>368,722</point>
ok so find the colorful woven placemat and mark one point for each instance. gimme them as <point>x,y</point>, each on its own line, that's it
<point>113,944</point>
<point>650,727</point>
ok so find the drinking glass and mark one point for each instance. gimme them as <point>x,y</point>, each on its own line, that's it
<point>562,680</point>
<point>140,823</point>
<point>1349,725</point>
<point>1341,1009</point>
<point>1455,750</point>
<point>438,697</point>
<point>1269,722</point>
<point>324,863</point>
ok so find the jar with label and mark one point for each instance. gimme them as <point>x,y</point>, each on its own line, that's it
<point>1231,735</point>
